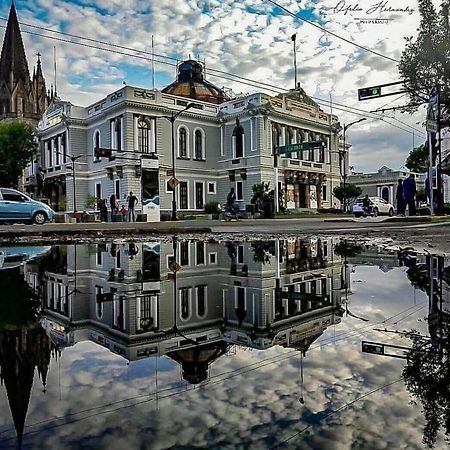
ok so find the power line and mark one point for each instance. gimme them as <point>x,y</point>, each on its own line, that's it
<point>331,33</point>
<point>224,75</point>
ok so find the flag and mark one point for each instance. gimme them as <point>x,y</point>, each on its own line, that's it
<point>294,37</point>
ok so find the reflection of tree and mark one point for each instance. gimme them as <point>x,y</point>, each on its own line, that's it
<point>263,250</point>
<point>427,376</point>
<point>347,249</point>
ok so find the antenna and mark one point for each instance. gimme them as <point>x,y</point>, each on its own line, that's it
<point>54,61</point>
<point>153,63</point>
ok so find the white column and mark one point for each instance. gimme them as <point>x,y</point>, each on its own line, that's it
<point>221,140</point>
<point>135,127</point>
<point>283,136</point>
<point>121,134</point>
<point>391,195</point>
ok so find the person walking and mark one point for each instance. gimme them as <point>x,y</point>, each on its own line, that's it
<point>400,198</point>
<point>132,202</point>
<point>409,194</point>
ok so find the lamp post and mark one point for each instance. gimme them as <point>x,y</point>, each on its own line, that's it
<point>346,127</point>
<point>74,159</point>
<point>172,119</point>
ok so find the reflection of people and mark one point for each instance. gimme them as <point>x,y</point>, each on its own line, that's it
<point>132,201</point>
<point>400,198</point>
<point>132,250</point>
<point>123,211</point>
<point>114,205</point>
<point>231,197</point>
<point>409,193</point>
<point>103,211</point>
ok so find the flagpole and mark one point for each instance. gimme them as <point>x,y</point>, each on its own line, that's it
<point>153,63</point>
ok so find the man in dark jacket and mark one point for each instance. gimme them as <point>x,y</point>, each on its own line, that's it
<point>409,193</point>
<point>400,198</point>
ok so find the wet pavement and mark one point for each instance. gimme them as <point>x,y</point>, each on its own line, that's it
<point>311,343</point>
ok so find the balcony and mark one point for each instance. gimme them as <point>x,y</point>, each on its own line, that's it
<point>297,164</point>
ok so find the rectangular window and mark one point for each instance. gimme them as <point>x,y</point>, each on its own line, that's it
<point>239,190</point>
<point>213,258</point>
<point>184,253</point>
<point>200,253</point>
<point>98,191</point>
<point>324,192</point>
<point>253,135</point>
<point>184,203</point>
<point>56,150</point>
<point>201,300</point>
<point>49,153</point>
<point>117,189</point>
<point>239,146</point>
<point>212,187</point>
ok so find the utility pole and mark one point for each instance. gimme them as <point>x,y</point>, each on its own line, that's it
<point>346,127</point>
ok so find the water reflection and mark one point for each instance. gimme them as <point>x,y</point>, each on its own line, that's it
<point>192,303</point>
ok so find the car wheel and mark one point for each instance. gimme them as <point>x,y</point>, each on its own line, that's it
<point>375,212</point>
<point>391,212</point>
<point>357,215</point>
<point>39,218</point>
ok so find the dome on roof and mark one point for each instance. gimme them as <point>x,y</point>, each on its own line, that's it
<point>191,83</point>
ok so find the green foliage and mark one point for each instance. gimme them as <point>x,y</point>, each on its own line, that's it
<point>417,160</point>
<point>91,201</point>
<point>421,195</point>
<point>62,204</point>
<point>352,191</point>
<point>259,191</point>
<point>426,60</point>
<point>18,147</point>
<point>212,208</point>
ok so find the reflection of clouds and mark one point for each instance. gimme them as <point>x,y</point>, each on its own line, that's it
<point>254,409</point>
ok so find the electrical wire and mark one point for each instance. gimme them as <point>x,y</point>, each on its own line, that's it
<point>224,75</point>
<point>331,33</point>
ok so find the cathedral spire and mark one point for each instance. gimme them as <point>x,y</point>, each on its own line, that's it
<point>13,62</point>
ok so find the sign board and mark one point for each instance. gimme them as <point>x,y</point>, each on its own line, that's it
<point>432,113</point>
<point>174,267</point>
<point>291,148</point>
<point>372,347</point>
<point>431,126</point>
<point>173,183</point>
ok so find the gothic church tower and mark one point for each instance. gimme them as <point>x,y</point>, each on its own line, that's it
<point>20,96</point>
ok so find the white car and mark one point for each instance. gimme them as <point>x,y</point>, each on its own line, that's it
<point>379,206</point>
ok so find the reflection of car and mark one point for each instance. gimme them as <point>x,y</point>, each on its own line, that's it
<point>379,206</point>
<point>11,257</point>
<point>18,207</point>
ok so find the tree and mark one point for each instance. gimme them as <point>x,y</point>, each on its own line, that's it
<point>18,147</point>
<point>417,160</point>
<point>350,192</point>
<point>425,61</point>
<point>260,190</point>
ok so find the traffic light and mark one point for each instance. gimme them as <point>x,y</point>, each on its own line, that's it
<point>100,152</point>
<point>372,347</point>
<point>368,93</point>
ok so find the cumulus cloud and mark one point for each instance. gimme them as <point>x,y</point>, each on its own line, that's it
<point>250,38</point>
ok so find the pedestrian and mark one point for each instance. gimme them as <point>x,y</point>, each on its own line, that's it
<point>123,211</point>
<point>400,198</point>
<point>114,205</point>
<point>409,194</point>
<point>132,202</point>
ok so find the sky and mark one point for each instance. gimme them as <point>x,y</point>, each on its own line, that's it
<point>250,38</point>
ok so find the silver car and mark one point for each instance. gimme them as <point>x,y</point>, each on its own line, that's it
<point>16,206</point>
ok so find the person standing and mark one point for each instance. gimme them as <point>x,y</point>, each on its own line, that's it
<point>114,206</point>
<point>409,194</point>
<point>400,198</point>
<point>132,202</point>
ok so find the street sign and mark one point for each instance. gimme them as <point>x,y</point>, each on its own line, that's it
<point>291,148</point>
<point>174,267</point>
<point>369,92</point>
<point>173,183</point>
<point>169,173</point>
<point>372,347</point>
<point>432,126</point>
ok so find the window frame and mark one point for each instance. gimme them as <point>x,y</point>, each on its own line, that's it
<point>201,133</point>
<point>241,198</point>
<point>186,142</point>
<point>141,138</point>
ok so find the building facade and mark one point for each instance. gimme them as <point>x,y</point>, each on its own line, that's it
<point>219,143</point>
<point>384,183</point>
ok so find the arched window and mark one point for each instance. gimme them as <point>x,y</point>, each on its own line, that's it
<point>238,137</point>
<point>198,145</point>
<point>185,310</point>
<point>201,301</point>
<point>97,144</point>
<point>143,135</point>
<point>182,143</point>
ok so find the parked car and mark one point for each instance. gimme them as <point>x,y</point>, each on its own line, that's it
<point>18,207</point>
<point>379,206</point>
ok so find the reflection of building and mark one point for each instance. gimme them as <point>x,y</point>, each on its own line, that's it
<point>219,143</point>
<point>384,182</point>
<point>124,297</point>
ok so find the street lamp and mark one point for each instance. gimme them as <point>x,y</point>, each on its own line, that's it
<point>172,119</point>
<point>343,157</point>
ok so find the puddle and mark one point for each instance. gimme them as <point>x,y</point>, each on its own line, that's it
<point>290,343</point>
